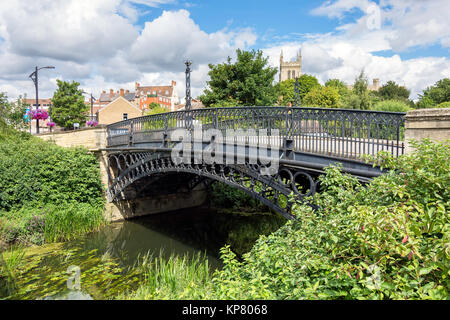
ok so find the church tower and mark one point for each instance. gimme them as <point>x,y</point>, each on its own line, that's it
<point>290,70</point>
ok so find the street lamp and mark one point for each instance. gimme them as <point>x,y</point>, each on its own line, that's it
<point>34,77</point>
<point>92,105</point>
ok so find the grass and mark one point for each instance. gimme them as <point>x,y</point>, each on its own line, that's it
<point>178,278</point>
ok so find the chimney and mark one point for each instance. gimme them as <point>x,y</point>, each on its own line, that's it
<point>174,83</point>
<point>122,92</point>
<point>128,91</point>
<point>111,91</point>
<point>136,86</point>
<point>103,91</point>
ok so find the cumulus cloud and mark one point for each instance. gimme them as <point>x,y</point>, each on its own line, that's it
<point>173,37</point>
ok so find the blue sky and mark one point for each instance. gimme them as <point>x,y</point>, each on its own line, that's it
<point>107,44</point>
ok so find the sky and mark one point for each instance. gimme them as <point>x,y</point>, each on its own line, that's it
<point>111,44</point>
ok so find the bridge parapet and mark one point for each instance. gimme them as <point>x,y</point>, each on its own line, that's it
<point>339,133</point>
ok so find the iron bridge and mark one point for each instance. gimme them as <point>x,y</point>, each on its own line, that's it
<point>271,153</point>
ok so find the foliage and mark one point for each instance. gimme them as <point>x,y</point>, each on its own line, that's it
<point>286,92</point>
<point>248,81</point>
<point>360,96</point>
<point>392,91</point>
<point>443,105</point>
<point>323,97</point>
<point>68,104</point>
<point>386,241</point>
<point>12,112</point>
<point>178,278</point>
<point>224,196</point>
<point>45,187</point>
<point>154,105</point>
<point>391,106</point>
<point>156,110</point>
<point>436,94</point>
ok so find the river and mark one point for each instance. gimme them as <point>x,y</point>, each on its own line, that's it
<point>101,265</point>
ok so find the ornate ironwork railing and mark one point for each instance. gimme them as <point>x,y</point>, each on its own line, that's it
<point>331,132</point>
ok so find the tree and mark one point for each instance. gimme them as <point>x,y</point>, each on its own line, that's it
<point>286,92</point>
<point>156,110</point>
<point>12,112</point>
<point>248,81</point>
<point>68,105</point>
<point>360,96</point>
<point>323,97</point>
<point>344,91</point>
<point>436,94</point>
<point>153,105</point>
<point>392,91</point>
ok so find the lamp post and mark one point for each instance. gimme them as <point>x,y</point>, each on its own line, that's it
<point>187,108</point>
<point>92,105</point>
<point>34,77</point>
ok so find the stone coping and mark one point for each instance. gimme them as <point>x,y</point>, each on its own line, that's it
<point>434,114</point>
<point>100,126</point>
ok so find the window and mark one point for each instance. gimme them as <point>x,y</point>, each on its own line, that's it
<point>167,91</point>
<point>125,116</point>
<point>293,74</point>
<point>289,74</point>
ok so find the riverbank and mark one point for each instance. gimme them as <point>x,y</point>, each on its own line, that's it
<point>47,193</point>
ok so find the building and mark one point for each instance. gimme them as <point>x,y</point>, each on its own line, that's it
<point>42,104</point>
<point>165,96</point>
<point>118,110</point>
<point>375,86</point>
<point>195,104</point>
<point>290,69</point>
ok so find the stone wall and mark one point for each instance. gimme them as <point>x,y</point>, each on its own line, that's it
<point>91,138</point>
<point>427,123</point>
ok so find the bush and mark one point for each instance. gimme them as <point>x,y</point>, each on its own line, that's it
<point>47,193</point>
<point>443,105</point>
<point>386,241</point>
<point>391,106</point>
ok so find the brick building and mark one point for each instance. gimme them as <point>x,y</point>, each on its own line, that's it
<point>165,96</point>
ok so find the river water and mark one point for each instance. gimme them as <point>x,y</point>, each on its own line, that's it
<point>101,265</point>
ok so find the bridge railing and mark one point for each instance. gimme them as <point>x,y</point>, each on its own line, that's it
<point>332,132</point>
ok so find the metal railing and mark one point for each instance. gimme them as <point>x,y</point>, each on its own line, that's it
<point>331,132</point>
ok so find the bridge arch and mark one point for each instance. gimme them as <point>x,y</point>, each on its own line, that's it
<point>273,191</point>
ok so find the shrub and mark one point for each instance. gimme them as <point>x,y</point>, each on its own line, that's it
<point>391,106</point>
<point>443,105</point>
<point>388,240</point>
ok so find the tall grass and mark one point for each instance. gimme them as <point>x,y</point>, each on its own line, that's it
<point>10,262</point>
<point>177,277</point>
<point>72,220</point>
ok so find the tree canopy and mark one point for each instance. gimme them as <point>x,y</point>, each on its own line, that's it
<point>392,91</point>
<point>435,95</point>
<point>248,81</point>
<point>323,97</point>
<point>68,105</point>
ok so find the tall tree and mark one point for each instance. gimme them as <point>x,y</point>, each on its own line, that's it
<point>392,91</point>
<point>286,89</point>
<point>436,94</point>
<point>360,96</point>
<point>248,81</point>
<point>68,105</point>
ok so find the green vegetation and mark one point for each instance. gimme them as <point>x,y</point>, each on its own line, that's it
<point>392,106</point>
<point>156,109</point>
<point>12,112</point>
<point>392,91</point>
<point>248,81</point>
<point>47,193</point>
<point>68,105</point>
<point>388,240</point>
<point>176,278</point>
<point>323,97</point>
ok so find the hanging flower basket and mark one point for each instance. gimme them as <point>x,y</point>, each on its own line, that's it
<point>50,124</point>
<point>92,123</point>
<point>39,114</point>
